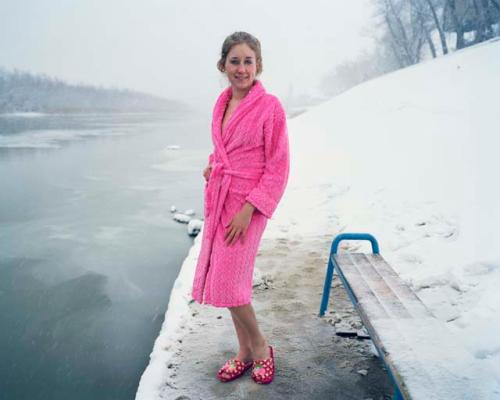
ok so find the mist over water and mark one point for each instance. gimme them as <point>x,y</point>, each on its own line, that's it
<point>88,248</point>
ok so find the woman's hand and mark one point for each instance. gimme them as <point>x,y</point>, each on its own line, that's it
<point>206,173</point>
<point>238,226</point>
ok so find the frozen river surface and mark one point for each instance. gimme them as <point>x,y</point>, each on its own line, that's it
<point>88,248</point>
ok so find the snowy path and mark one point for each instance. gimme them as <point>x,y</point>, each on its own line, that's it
<point>312,362</point>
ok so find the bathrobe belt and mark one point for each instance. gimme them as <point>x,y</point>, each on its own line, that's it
<point>218,187</point>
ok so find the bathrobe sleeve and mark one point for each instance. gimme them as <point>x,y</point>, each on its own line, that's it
<point>267,194</point>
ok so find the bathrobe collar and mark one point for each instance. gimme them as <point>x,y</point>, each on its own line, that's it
<point>254,94</point>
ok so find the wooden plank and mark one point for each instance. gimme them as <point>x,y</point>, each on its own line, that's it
<point>410,300</point>
<point>367,313</point>
<point>379,286</point>
<point>417,348</point>
<point>356,264</point>
<point>372,308</point>
<point>425,355</point>
<point>364,296</point>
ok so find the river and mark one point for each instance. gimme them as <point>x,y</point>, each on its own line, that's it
<point>88,248</point>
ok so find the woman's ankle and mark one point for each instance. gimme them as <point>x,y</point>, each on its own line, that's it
<point>260,349</point>
<point>245,353</point>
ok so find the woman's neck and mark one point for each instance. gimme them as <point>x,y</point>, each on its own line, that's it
<point>240,94</point>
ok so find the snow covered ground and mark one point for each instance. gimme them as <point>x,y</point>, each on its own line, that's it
<point>411,158</point>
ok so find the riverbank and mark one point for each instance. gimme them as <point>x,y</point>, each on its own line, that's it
<point>312,362</point>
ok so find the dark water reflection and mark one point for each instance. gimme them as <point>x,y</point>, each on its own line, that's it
<point>88,249</point>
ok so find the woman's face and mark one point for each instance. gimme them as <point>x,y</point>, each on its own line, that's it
<point>241,66</point>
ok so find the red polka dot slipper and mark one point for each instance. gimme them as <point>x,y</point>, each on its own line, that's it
<point>233,369</point>
<point>263,370</point>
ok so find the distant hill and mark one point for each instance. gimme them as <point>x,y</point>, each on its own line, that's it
<point>25,92</point>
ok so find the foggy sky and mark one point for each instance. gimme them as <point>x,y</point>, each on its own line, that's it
<point>170,48</point>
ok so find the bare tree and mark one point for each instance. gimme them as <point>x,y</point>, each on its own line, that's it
<point>424,22</point>
<point>438,25</point>
<point>478,17</point>
<point>407,29</point>
<point>366,66</point>
<point>403,27</point>
<point>457,23</point>
<point>484,21</point>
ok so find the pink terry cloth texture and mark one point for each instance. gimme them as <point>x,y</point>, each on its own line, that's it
<point>250,162</point>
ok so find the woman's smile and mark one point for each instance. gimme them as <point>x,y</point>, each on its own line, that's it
<point>241,67</point>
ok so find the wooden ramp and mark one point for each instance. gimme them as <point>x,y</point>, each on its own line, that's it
<point>419,350</point>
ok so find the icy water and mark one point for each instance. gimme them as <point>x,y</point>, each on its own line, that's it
<point>88,248</point>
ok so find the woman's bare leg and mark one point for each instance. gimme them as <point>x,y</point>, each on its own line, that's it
<point>245,316</point>
<point>245,352</point>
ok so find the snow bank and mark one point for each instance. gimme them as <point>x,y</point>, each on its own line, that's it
<point>413,157</point>
<point>174,327</point>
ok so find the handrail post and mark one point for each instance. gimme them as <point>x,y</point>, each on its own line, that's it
<point>331,262</point>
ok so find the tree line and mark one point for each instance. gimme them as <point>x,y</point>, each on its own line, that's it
<point>441,25</point>
<point>409,31</point>
<point>25,92</point>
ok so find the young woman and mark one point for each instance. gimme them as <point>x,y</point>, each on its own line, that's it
<point>245,180</point>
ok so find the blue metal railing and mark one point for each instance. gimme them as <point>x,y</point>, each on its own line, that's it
<point>331,261</point>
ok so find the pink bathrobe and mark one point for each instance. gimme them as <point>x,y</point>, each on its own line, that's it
<point>250,162</point>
